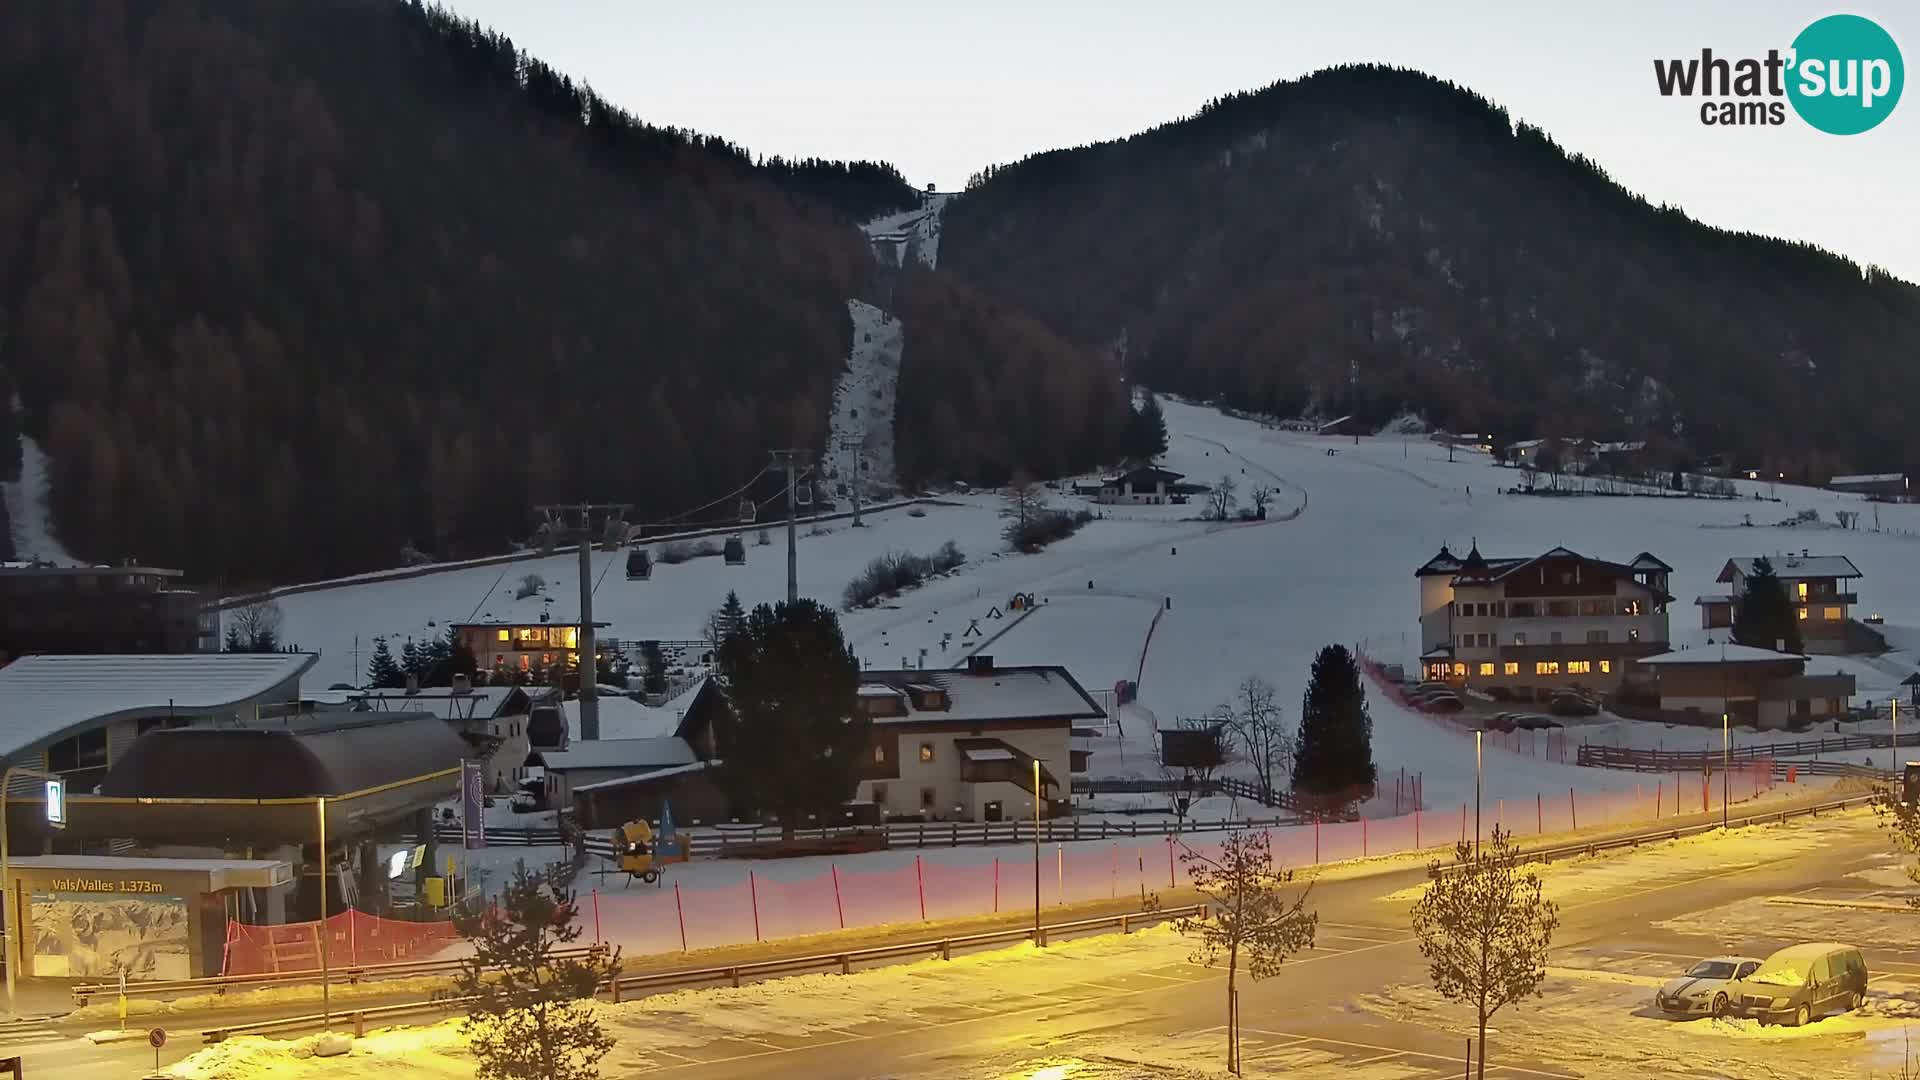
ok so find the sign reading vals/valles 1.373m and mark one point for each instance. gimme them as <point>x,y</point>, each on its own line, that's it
<point>81,884</point>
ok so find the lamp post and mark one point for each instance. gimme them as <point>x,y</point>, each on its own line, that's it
<point>1726,753</point>
<point>8,909</point>
<point>1476,791</point>
<point>1895,766</point>
<point>1037,939</point>
<point>326,942</point>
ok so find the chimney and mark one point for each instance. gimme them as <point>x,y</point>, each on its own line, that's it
<point>413,684</point>
<point>462,684</point>
<point>979,664</point>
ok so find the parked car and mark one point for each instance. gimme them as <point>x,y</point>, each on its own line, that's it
<point>1572,703</point>
<point>1502,722</point>
<point>1444,701</point>
<point>1430,687</point>
<point>1709,988</point>
<point>1802,983</point>
<point>1535,722</point>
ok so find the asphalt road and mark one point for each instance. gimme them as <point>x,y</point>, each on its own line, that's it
<point>1306,1015</point>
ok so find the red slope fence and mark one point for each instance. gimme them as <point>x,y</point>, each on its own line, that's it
<point>355,938</point>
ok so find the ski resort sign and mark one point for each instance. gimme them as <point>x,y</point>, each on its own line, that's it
<point>1842,75</point>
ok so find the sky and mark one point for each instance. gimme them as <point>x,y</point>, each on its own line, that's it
<point>942,90</point>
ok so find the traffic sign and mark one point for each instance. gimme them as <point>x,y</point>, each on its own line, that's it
<point>157,1038</point>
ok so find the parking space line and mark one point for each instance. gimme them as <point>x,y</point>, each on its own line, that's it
<point>1376,1057</point>
<point>1391,1052</point>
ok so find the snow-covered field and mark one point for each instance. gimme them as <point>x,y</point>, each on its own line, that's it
<point>1245,599</point>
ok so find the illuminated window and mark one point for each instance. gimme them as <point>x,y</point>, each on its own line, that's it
<point>926,751</point>
<point>1546,667</point>
<point>1606,667</point>
<point>879,755</point>
<point>1803,590</point>
<point>1511,667</point>
<point>1579,667</point>
<point>1803,614</point>
<point>1831,614</point>
<point>1486,669</point>
<point>573,638</point>
<point>1460,670</point>
<point>536,635</point>
<point>506,635</point>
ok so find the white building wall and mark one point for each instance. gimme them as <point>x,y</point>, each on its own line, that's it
<point>951,796</point>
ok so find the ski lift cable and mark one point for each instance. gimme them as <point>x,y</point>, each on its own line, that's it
<point>734,494</point>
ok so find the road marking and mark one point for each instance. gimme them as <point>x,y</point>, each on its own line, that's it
<point>1351,937</point>
<point>1391,1052</point>
<point>671,1054</point>
<point>1377,1057</point>
<point>1168,978</point>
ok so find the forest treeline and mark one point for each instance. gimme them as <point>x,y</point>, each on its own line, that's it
<point>286,288</point>
<point>1370,240</point>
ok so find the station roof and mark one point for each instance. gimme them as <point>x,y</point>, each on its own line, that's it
<point>46,697</point>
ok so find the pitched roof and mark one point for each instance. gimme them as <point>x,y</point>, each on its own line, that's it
<point>622,717</point>
<point>44,697</point>
<point>330,753</point>
<point>1646,561</point>
<point>1794,567</point>
<point>1869,478</point>
<point>1717,654</point>
<point>1044,692</point>
<point>481,701</point>
<point>664,752</point>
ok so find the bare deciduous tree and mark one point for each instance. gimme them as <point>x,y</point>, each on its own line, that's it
<point>1221,500</point>
<point>1257,725</point>
<point>1252,921</point>
<point>1262,496</point>
<point>255,627</point>
<point>1901,819</point>
<point>1485,929</point>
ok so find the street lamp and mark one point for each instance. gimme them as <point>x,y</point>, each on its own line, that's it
<point>1037,939</point>
<point>8,909</point>
<point>1726,754</point>
<point>1476,791</point>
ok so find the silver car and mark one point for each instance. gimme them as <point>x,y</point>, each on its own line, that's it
<point>1709,988</point>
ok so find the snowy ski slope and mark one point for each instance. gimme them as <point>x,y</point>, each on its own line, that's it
<point>1245,599</point>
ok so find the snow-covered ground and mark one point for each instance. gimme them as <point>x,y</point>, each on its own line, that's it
<point>910,235</point>
<point>860,442</point>
<point>1244,598</point>
<point>27,508</point>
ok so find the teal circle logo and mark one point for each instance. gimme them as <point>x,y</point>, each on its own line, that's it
<point>1846,75</point>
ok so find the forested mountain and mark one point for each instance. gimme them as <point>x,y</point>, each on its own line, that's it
<point>1369,239</point>
<point>286,285</point>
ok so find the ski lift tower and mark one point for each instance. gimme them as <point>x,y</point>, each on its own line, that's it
<point>792,461</point>
<point>614,528</point>
<point>854,444</point>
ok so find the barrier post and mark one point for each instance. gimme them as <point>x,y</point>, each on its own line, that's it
<point>842,912</point>
<point>1316,839</point>
<point>1170,862</point>
<point>1416,827</point>
<point>919,885</point>
<point>1060,874</point>
<point>1573,808</point>
<point>753,896</point>
<point>1659,798</point>
<point>1363,837</point>
<point>996,884</point>
<point>680,909</point>
<point>1539,815</point>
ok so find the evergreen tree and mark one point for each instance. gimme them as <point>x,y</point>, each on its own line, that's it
<point>731,615</point>
<point>655,679</point>
<point>382,672</point>
<point>530,1011</point>
<point>1146,434</point>
<point>1765,617</point>
<point>792,742</point>
<point>1335,755</point>
<point>459,659</point>
<point>411,661</point>
<point>234,642</point>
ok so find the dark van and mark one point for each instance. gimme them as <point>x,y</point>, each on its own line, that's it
<point>1805,982</point>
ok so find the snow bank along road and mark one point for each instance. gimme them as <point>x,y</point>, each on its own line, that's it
<point>1350,1007</point>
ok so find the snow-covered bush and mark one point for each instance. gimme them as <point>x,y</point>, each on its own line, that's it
<point>1043,527</point>
<point>679,551</point>
<point>899,571</point>
<point>530,585</point>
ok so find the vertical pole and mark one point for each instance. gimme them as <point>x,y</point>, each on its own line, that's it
<point>1726,752</point>
<point>996,885</point>
<point>7,905</point>
<point>326,937</point>
<point>793,558</point>
<point>596,916</point>
<point>1573,808</point>
<point>1659,798</point>
<point>1316,839</point>
<point>1170,878</point>
<point>1476,792</point>
<point>1113,869</point>
<point>1416,826</point>
<point>589,654</point>
<point>753,896</point>
<point>841,911</point>
<point>1363,837</point>
<point>1038,941</point>
<point>1060,874</point>
<point>1539,815</point>
<point>920,885</point>
<point>681,911</point>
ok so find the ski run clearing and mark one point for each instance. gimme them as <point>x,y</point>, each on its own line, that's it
<point>1233,599</point>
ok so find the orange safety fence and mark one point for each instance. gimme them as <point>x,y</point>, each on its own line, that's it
<point>355,938</point>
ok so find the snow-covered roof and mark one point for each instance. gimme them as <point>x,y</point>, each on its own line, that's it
<point>1715,654</point>
<point>1713,598</point>
<point>1796,567</point>
<point>45,697</point>
<point>1629,446</point>
<point>644,777</point>
<point>620,754</point>
<point>1869,478</point>
<point>624,718</point>
<point>442,702</point>
<point>1000,693</point>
